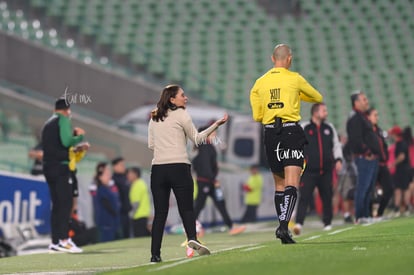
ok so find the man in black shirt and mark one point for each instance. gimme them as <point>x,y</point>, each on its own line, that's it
<point>206,168</point>
<point>57,138</point>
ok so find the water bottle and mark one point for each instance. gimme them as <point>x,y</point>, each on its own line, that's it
<point>219,194</point>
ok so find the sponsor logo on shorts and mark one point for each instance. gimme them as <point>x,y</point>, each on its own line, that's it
<point>282,153</point>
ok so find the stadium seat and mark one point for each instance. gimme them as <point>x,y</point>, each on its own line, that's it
<point>228,43</point>
<point>38,3</point>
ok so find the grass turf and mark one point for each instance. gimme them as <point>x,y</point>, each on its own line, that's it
<point>380,248</point>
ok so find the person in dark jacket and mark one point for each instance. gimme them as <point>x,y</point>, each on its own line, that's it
<point>401,177</point>
<point>108,212</point>
<point>383,176</point>
<point>206,168</point>
<point>57,138</point>
<point>322,153</point>
<point>120,178</point>
<point>365,148</point>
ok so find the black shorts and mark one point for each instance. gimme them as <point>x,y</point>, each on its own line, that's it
<point>284,148</point>
<point>401,179</point>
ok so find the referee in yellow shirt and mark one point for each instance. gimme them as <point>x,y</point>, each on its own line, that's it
<point>275,101</point>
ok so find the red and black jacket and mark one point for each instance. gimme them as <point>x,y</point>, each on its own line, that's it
<point>323,148</point>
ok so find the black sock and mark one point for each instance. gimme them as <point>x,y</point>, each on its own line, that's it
<point>278,202</point>
<point>288,204</point>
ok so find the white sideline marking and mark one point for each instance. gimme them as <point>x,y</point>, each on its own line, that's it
<point>253,248</point>
<point>234,247</point>
<point>312,238</point>
<point>340,230</point>
<point>330,233</point>
<point>175,264</point>
<point>197,258</point>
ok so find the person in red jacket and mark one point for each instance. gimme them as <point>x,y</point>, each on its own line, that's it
<point>322,153</point>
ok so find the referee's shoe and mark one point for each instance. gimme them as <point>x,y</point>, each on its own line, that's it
<point>284,235</point>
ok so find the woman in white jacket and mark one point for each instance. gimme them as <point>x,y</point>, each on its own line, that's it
<point>169,128</point>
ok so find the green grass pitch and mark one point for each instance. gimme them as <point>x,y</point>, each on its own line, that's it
<point>381,248</point>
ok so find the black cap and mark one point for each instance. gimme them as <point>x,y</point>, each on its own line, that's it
<point>61,104</point>
<point>117,160</point>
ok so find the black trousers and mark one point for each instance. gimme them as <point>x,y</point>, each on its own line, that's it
<point>61,194</point>
<point>385,181</point>
<point>164,178</point>
<point>207,189</point>
<point>250,215</point>
<point>324,184</point>
<point>125,225</point>
<point>139,227</point>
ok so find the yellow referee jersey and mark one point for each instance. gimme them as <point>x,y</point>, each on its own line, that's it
<point>278,93</point>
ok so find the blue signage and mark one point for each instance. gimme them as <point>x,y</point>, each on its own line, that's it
<point>24,200</point>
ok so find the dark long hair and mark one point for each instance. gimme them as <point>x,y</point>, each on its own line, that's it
<point>164,104</point>
<point>370,110</point>
<point>408,135</point>
<point>100,168</point>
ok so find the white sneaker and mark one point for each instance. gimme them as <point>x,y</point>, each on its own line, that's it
<point>297,229</point>
<point>74,246</point>
<point>327,228</point>
<point>68,247</point>
<point>201,249</point>
<point>53,248</point>
<point>63,247</point>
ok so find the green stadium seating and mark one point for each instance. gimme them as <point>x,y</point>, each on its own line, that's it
<point>216,49</point>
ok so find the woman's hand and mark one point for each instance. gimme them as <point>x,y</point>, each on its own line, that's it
<point>222,120</point>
